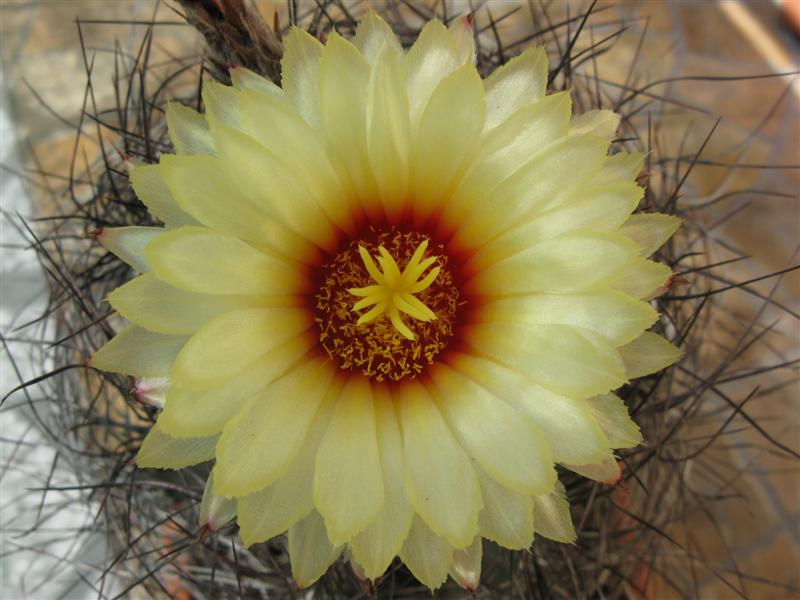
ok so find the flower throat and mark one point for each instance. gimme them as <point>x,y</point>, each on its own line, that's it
<point>355,299</point>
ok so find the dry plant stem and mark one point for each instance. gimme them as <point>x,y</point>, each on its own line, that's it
<point>628,534</point>
<point>236,34</point>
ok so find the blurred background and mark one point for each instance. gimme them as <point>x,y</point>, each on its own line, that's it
<point>701,49</point>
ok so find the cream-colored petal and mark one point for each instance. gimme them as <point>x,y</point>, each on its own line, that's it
<point>270,185</point>
<point>648,354</point>
<point>602,123</point>
<point>388,129</point>
<point>203,188</point>
<point>448,132</point>
<point>310,550</point>
<point>571,431</point>
<point>441,482</point>
<point>276,508</point>
<point>230,342</point>
<point>139,352</point>
<point>464,38</point>
<point>152,190</point>
<point>215,511</point>
<point>188,130</point>
<point>348,483</point>
<point>612,415</point>
<point>150,303</point>
<point>507,446</point>
<point>650,231</point>
<point>376,546</point>
<point>507,517</point>
<point>427,555</point>
<point>615,316</point>
<point>432,58</point>
<point>642,278</point>
<point>373,34</point>
<point>607,471</point>
<point>598,208</point>
<point>343,82</point>
<point>277,127</point>
<point>222,103</point>
<point>552,516</point>
<point>246,80</point>
<point>547,180</point>
<point>520,81</point>
<point>300,74</point>
<point>574,262</point>
<point>466,567</point>
<point>160,451</point>
<point>200,260</point>
<point>129,243</point>
<point>257,446</point>
<point>557,357</point>
<point>193,413</point>
<point>620,167</point>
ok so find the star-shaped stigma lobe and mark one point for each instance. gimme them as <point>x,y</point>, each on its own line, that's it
<point>393,291</point>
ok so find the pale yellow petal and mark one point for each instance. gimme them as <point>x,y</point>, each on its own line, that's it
<point>574,262</point>
<point>152,190</point>
<point>200,260</point>
<point>507,446</point>
<point>448,132</point>
<point>570,429</point>
<point>598,208</point>
<point>137,351</point>
<point>520,81</point>
<point>623,166</point>
<point>300,74</point>
<point>205,190</point>
<point>188,130</point>
<point>388,130</point>
<point>432,58</point>
<point>441,482</point>
<point>376,546</point>
<point>160,451</point>
<point>642,278</point>
<point>149,302</point>
<point>612,416</point>
<point>464,38</point>
<point>246,80</point>
<point>615,316</point>
<point>344,78</point>
<point>427,555</point>
<point>506,517</point>
<point>215,511</point>
<point>348,483</point>
<point>222,103</point>
<point>466,567</point>
<point>310,550</point>
<point>276,508</point>
<point>552,516</point>
<point>602,123</point>
<point>650,231</point>
<point>647,354</point>
<point>227,344</point>
<point>557,357</point>
<point>258,444</point>
<point>129,243</point>
<point>373,34</point>
<point>277,127</point>
<point>607,471</point>
<point>192,413</point>
<point>272,187</point>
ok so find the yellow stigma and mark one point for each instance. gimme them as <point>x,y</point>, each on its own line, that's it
<point>393,291</point>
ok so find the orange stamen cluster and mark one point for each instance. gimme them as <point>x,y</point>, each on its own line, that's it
<point>377,346</point>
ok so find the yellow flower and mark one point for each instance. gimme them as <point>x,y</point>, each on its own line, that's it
<point>418,405</point>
